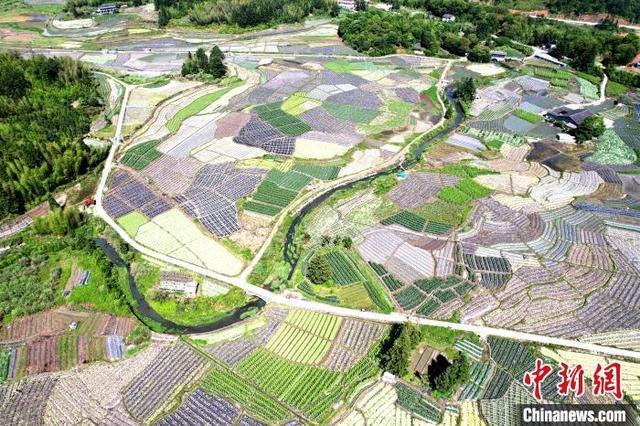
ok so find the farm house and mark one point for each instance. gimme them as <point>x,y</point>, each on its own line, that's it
<point>571,117</point>
<point>176,282</point>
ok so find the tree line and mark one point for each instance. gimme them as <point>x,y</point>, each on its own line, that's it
<point>395,352</point>
<point>212,65</point>
<point>242,13</point>
<point>46,106</point>
<point>626,9</point>
<point>80,8</point>
<point>377,32</point>
<point>31,270</point>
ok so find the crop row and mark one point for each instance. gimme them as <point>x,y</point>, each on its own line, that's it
<point>286,123</point>
<point>498,385</point>
<point>343,272</point>
<point>428,307</point>
<point>317,171</point>
<point>407,219</point>
<point>511,355</point>
<point>141,155</point>
<point>297,385</point>
<point>297,345</point>
<point>322,325</point>
<point>489,135</point>
<point>409,298</point>
<point>291,180</point>
<point>417,403</point>
<point>472,350</point>
<point>228,385</point>
<point>270,193</point>
<point>262,208</point>
<point>464,192</point>
<point>391,282</point>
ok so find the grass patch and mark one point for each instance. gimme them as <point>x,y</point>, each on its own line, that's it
<point>277,117</point>
<point>463,171</point>
<point>131,222</point>
<point>615,89</point>
<point>563,84</point>
<point>396,114</point>
<point>531,117</point>
<point>351,113</point>
<point>432,94</point>
<point>444,212</point>
<point>197,106</point>
<point>494,144</point>
<point>318,171</point>
<point>140,156</point>
<point>464,192</point>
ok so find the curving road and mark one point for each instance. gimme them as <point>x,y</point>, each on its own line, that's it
<point>271,297</point>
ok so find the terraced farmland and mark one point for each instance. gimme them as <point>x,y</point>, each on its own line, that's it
<point>343,271</point>
<point>141,155</point>
<point>229,385</point>
<point>305,337</point>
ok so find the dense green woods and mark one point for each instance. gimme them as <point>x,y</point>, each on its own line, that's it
<point>212,65</point>
<point>46,106</point>
<point>80,8</point>
<point>242,13</point>
<point>378,33</point>
<point>627,9</point>
<point>34,270</point>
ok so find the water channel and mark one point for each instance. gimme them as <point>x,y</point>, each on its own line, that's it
<point>290,255</point>
<point>143,311</point>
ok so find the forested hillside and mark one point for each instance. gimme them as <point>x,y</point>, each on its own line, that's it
<point>628,9</point>
<point>46,106</point>
<point>242,13</point>
<point>377,33</point>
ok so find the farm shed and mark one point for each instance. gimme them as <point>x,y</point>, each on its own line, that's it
<point>548,58</point>
<point>423,358</point>
<point>565,138</point>
<point>498,55</point>
<point>106,9</point>
<point>447,17</point>
<point>571,117</point>
<point>176,282</point>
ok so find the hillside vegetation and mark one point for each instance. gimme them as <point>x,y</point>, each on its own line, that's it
<point>46,106</point>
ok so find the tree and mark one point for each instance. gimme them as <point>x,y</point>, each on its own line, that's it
<point>592,127</point>
<point>188,66</point>
<point>202,61</point>
<point>163,17</point>
<point>212,65</point>
<point>395,5</point>
<point>347,242</point>
<point>466,90</point>
<point>445,381</point>
<point>480,53</point>
<point>395,350</point>
<point>216,67</point>
<point>319,269</point>
<point>361,5</point>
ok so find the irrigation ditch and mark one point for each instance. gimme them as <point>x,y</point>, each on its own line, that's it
<point>146,314</point>
<point>291,257</point>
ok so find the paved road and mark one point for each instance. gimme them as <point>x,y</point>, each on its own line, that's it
<point>271,297</point>
<point>634,28</point>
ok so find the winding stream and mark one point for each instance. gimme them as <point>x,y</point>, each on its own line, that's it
<point>291,257</point>
<point>144,311</point>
